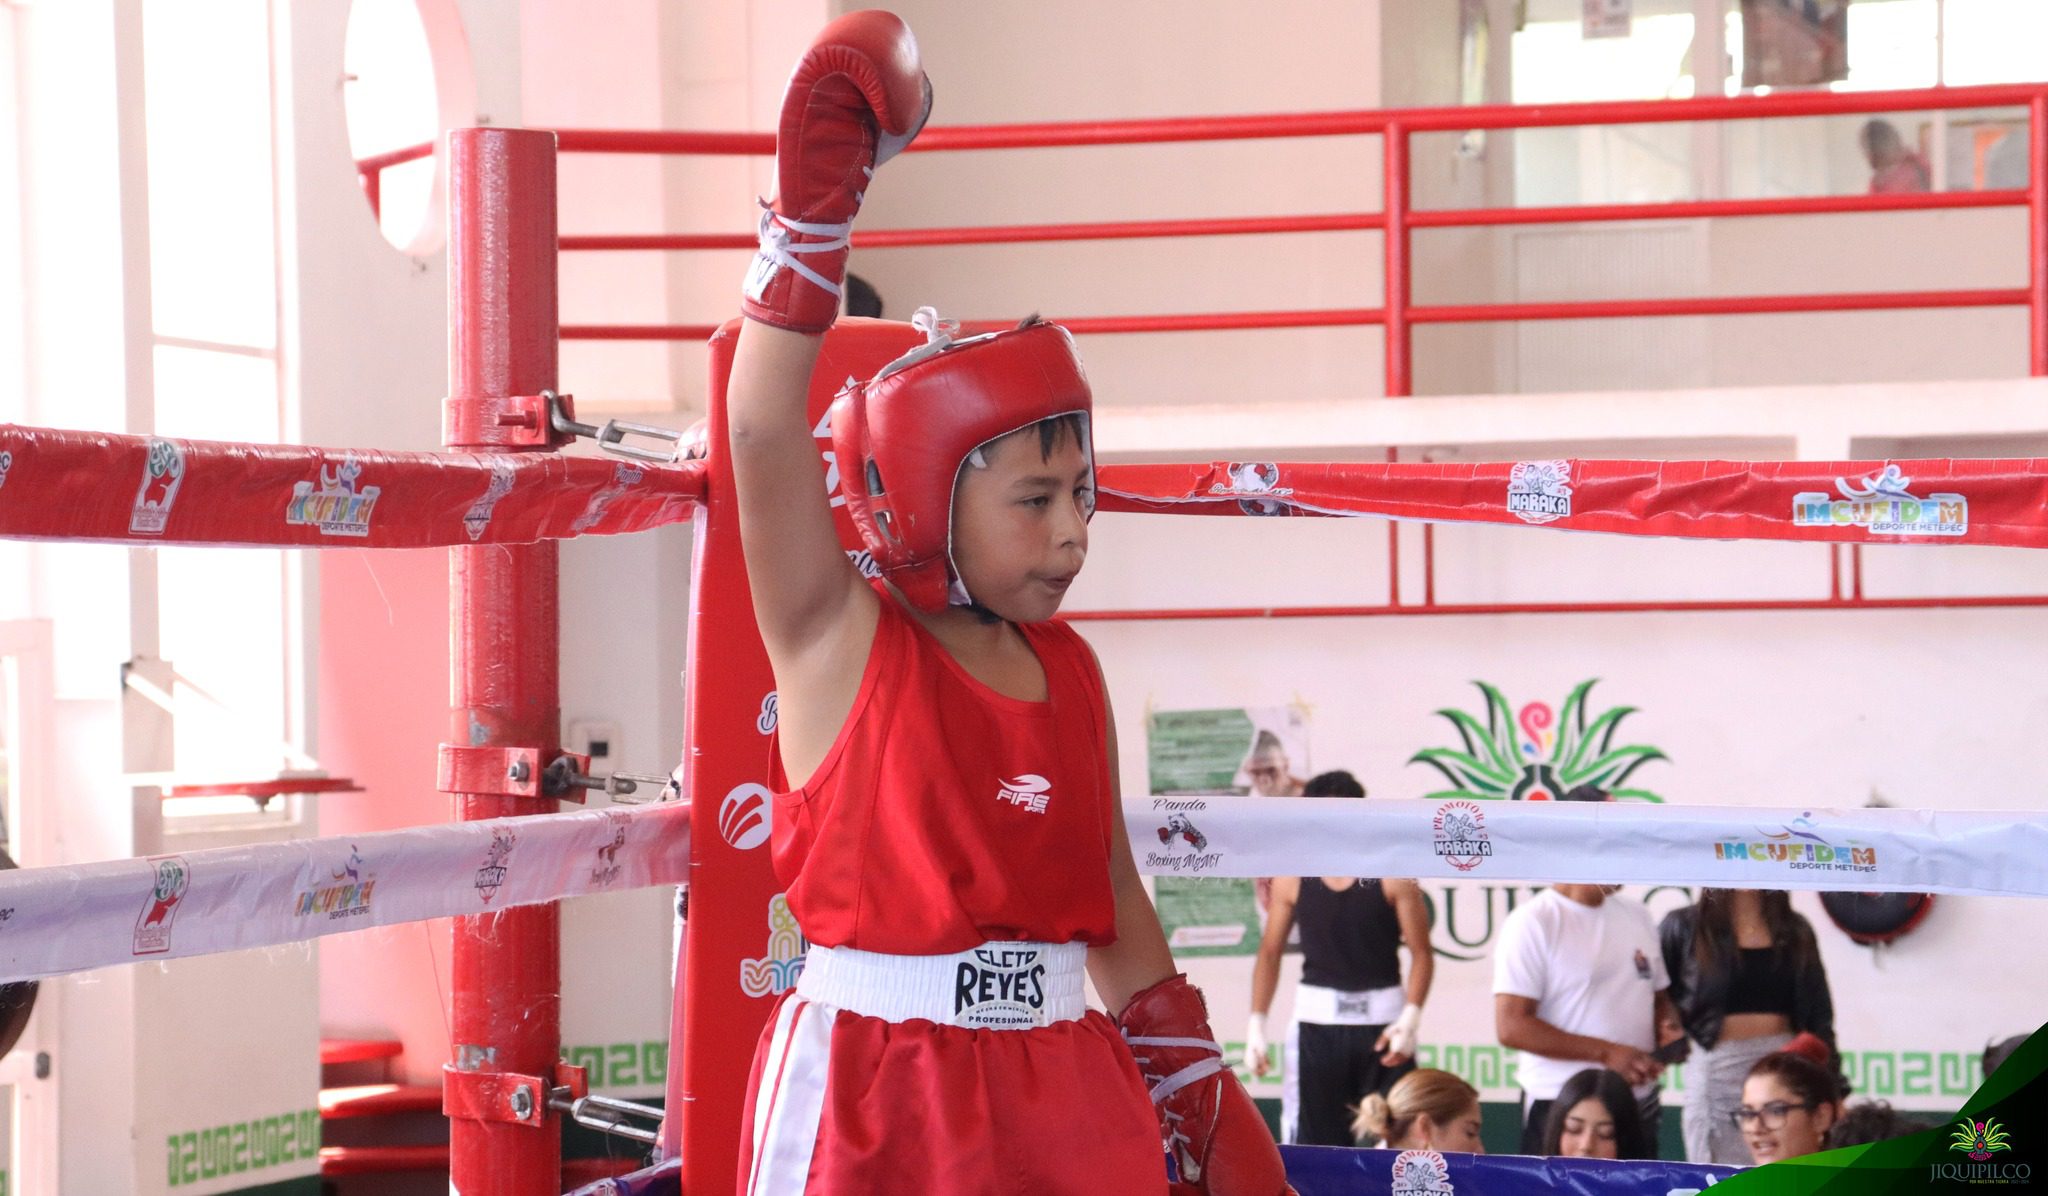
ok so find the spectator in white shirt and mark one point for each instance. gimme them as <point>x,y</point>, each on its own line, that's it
<point>1578,978</point>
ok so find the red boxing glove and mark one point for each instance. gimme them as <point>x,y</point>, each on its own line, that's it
<point>856,98</point>
<point>1218,1139</point>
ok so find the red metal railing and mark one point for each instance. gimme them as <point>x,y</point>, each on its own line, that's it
<point>1397,219</point>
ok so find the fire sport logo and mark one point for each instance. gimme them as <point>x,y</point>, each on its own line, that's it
<point>477,519</point>
<point>163,472</point>
<point>497,858</point>
<point>160,909</point>
<point>1029,790</point>
<point>745,817</point>
<point>339,507</point>
<point>1460,834</point>
<point>1540,491</point>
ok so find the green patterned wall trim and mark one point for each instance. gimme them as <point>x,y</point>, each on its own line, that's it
<point>1892,1074</point>
<point>242,1146</point>
<point>621,1064</point>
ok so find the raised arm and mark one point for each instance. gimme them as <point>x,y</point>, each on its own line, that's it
<point>857,97</point>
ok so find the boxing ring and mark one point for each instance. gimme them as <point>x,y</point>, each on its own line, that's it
<point>503,495</point>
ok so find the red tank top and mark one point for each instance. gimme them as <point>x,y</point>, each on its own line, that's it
<point>947,815</point>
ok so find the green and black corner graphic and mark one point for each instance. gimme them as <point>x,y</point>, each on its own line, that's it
<point>1540,754</point>
<point>1997,1142</point>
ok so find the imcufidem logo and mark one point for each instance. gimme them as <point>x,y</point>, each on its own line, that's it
<point>745,817</point>
<point>1981,1141</point>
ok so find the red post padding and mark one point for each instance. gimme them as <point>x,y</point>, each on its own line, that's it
<point>739,953</point>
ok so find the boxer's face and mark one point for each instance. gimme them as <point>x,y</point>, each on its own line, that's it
<point>1020,523</point>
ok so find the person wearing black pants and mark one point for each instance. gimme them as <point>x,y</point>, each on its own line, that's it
<point>1355,1021</point>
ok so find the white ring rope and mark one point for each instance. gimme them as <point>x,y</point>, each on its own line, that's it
<point>71,918</point>
<point>1996,853</point>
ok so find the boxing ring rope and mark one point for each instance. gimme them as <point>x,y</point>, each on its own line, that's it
<point>505,497</point>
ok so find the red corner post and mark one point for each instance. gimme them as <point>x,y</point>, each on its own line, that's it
<point>503,641</point>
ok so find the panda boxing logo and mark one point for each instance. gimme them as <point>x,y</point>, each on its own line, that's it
<point>746,816</point>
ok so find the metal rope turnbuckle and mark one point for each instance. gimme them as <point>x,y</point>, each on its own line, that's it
<point>608,1115</point>
<point>611,436</point>
<point>622,787</point>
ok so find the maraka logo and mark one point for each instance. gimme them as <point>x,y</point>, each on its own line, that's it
<point>624,478</point>
<point>1420,1173</point>
<point>745,816</point>
<point>1979,1139</point>
<point>1540,491</point>
<point>1882,504</point>
<point>1178,827</point>
<point>160,908</point>
<point>163,472</point>
<point>782,961</point>
<point>1538,754</point>
<point>1459,832</point>
<point>607,869</point>
<point>338,507</point>
<point>492,874</point>
<point>1028,790</point>
<point>347,897</point>
<point>1800,846</point>
<point>477,519</point>
<point>1257,486</point>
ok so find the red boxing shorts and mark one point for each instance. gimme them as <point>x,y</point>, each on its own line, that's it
<point>973,1074</point>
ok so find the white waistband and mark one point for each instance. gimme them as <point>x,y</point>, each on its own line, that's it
<point>996,986</point>
<point>1335,1007</point>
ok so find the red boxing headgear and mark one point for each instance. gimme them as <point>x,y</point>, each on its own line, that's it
<point>901,437</point>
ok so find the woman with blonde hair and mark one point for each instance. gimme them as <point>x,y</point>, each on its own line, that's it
<point>1427,1110</point>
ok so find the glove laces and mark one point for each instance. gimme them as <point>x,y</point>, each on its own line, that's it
<point>1165,1086</point>
<point>779,251</point>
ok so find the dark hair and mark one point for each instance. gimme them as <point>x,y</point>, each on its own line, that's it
<point>1869,1121</point>
<point>1337,783</point>
<point>1631,1139</point>
<point>1881,135</point>
<point>1996,1053</point>
<point>1809,1081</point>
<point>1713,930</point>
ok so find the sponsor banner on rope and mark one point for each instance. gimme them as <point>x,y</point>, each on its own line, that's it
<point>339,507</point>
<point>1884,505</point>
<point>477,519</point>
<point>163,472</point>
<point>75,917</point>
<point>1540,491</point>
<point>1854,850</point>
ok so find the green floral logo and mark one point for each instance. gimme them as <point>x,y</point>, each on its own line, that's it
<point>1979,1139</point>
<point>1539,754</point>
